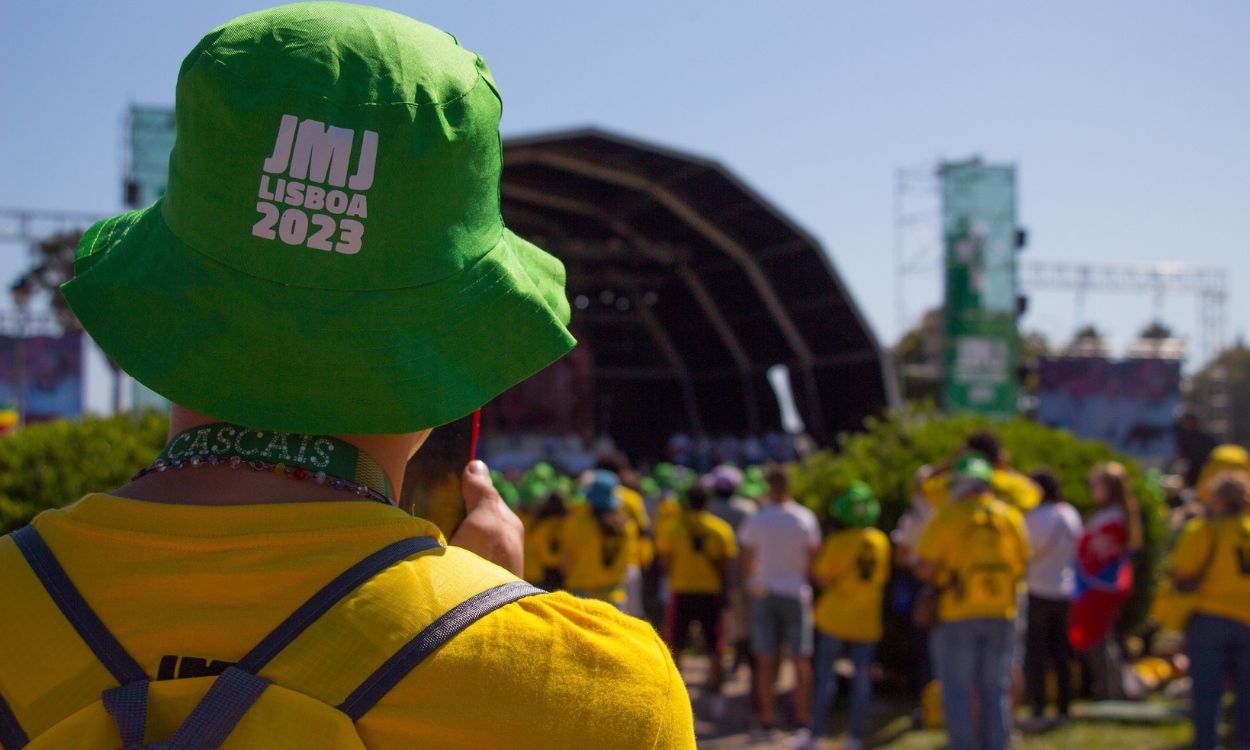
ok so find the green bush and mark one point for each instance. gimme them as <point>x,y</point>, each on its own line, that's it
<point>890,449</point>
<point>51,464</point>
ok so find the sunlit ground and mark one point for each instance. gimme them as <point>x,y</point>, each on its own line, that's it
<point>1140,726</point>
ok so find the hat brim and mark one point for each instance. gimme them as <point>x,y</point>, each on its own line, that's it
<point>290,358</point>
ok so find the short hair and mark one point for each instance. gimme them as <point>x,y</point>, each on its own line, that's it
<point>614,460</point>
<point>1046,479</point>
<point>777,476</point>
<point>1233,489</point>
<point>696,497</point>
<point>986,443</point>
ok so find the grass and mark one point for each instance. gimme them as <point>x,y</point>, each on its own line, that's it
<point>1079,734</point>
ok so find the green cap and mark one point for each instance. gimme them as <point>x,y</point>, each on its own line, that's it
<point>972,466</point>
<point>329,256</point>
<point>857,506</point>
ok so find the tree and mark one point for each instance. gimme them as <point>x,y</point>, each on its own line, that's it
<point>918,358</point>
<point>53,265</point>
<point>1157,330</point>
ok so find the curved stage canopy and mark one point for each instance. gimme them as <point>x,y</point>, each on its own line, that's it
<point>687,287</point>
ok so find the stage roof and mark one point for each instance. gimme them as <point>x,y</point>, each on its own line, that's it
<point>687,287</point>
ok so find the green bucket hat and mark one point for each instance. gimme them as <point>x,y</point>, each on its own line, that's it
<point>857,507</point>
<point>972,466</point>
<point>330,255</point>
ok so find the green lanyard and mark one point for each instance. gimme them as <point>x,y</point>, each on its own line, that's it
<point>320,457</point>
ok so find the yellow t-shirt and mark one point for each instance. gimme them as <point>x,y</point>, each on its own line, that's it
<point>696,568</point>
<point>1009,485</point>
<point>542,547</point>
<point>1225,587</point>
<point>979,548</point>
<point>666,510</point>
<point>633,505</point>
<point>182,586</point>
<point>594,565</point>
<point>855,563</point>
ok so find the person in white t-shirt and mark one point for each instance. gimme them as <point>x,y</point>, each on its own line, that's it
<point>779,543</point>
<point>1054,531</point>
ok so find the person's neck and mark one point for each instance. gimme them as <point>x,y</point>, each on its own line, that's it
<point>223,486</point>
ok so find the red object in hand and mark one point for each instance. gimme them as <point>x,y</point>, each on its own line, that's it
<point>473,435</point>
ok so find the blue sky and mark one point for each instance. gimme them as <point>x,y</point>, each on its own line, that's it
<point>1130,121</point>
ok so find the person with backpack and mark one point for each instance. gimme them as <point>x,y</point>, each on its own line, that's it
<point>1009,485</point>
<point>326,278</point>
<point>1212,560</point>
<point>975,551</point>
<point>544,543</point>
<point>852,570</point>
<point>599,541</point>
<point>696,551</point>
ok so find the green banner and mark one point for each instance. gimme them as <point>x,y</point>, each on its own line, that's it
<point>979,225</point>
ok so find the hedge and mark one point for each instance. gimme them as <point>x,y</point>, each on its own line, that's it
<point>50,464</point>
<point>890,449</point>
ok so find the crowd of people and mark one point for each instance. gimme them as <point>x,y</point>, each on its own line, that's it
<point>1006,589</point>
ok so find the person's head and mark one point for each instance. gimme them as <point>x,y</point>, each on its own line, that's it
<point>1189,422</point>
<point>986,443</point>
<point>599,487</point>
<point>1109,487</point>
<point>329,256</point>
<point>725,480</point>
<point>553,506</point>
<point>971,476</point>
<point>1230,495</point>
<point>857,507</point>
<point>778,479</point>
<point>1108,484</point>
<point>696,498</point>
<point>618,463</point>
<point>1049,483</point>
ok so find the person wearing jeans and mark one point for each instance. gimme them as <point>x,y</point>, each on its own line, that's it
<point>828,650</point>
<point>973,658</point>
<point>1212,559</point>
<point>974,551</point>
<point>852,570</point>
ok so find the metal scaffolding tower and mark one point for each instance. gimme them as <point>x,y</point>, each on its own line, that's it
<point>27,226</point>
<point>1209,285</point>
<point>918,252</point>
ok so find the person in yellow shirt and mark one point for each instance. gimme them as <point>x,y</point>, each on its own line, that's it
<point>256,585</point>
<point>1009,485</point>
<point>544,542</point>
<point>1212,559</point>
<point>1228,458</point>
<point>852,570</point>
<point>634,506</point>
<point>696,550</point>
<point>975,551</point>
<point>599,541</point>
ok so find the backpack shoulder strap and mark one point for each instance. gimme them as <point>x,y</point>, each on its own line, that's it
<point>329,595</point>
<point>238,687</point>
<point>132,680</point>
<point>426,642</point>
<point>11,733</point>
<point>75,608</point>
